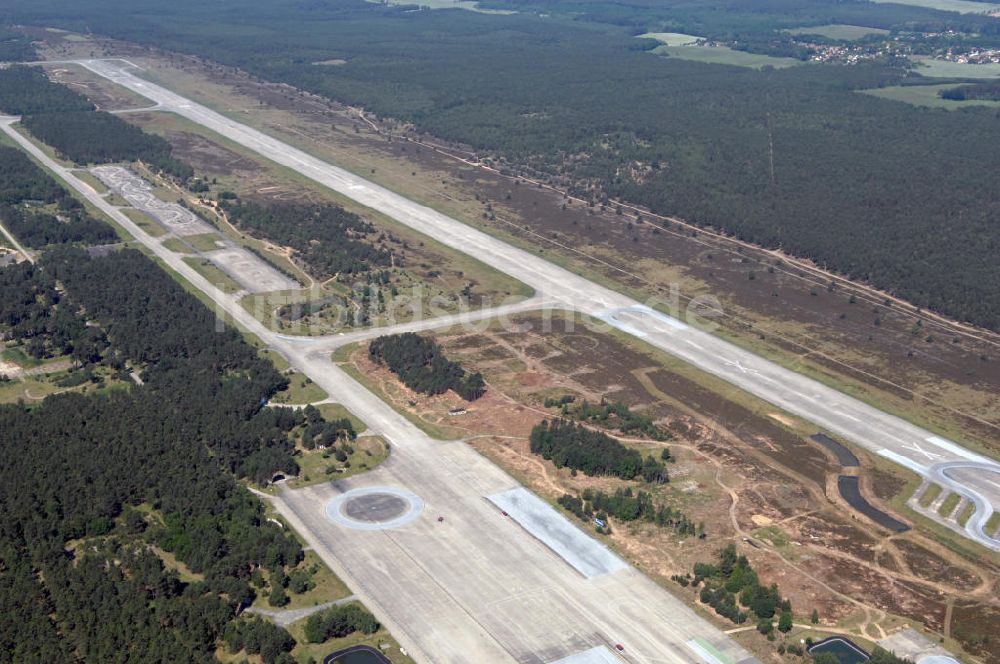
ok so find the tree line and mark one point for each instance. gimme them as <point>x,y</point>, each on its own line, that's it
<point>609,414</point>
<point>69,122</point>
<point>330,240</point>
<point>422,366</point>
<point>571,445</point>
<point>989,90</point>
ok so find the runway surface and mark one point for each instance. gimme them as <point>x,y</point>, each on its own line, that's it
<point>866,426</point>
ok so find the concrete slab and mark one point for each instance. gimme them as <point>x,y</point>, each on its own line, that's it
<point>250,271</point>
<point>585,554</point>
<point>911,644</point>
<point>598,655</point>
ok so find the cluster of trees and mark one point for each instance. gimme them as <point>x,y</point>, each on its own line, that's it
<point>257,636</point>
<point>848,186</point>
<point>989,91</point>
<point>625,505</point>
<point>733,577</point>
<point>318,432</point>
<point>422,366</point>
<point>611,415</point>
<point>67,121</point>
<point>330,240</point>
<point>339,621</point>
<point>21,180</point>
<point>568,444</point>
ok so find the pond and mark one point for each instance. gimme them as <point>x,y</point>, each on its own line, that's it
<point>843,649</point>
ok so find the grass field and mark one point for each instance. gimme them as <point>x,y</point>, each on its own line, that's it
<point>467,5</point>
<point>966,514</point>
<point>839,31</point>
<point>949,69</point>
<point>723,55</point>
<point>671,38</point>
<point>317,466</point>
<point>334,411</point>
<point>926,95</point>
<point>960,6</point>
<point>930,495</point>
<point>949,504</point>
<point>144,222</point>
<point>300,390</point>
<point>94,183</point>
<point>207,269</point>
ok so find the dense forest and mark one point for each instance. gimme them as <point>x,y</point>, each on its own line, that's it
<point>25,189</point>
<point>789,158</point>
<point>422,366</point>
<point>989,91</point>
<point>67,121</point>
<point>15,46</point>
<point>330,240</point>
<point>125,469</point>
<point>568,444</point>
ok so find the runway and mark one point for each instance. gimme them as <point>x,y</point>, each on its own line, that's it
<point>855,421</point>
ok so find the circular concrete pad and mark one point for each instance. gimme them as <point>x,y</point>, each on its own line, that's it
<point>374,508</point>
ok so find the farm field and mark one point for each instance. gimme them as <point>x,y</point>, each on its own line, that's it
<point>671,38</point>
<point>960,6</point>
<point>926,95</point>
<point>838,31</point>
<point>723,55</point>
<point>948,69</point>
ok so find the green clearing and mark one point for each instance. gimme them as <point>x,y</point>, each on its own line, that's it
<point>318,466</point>
<point>176,245</point>
<point>926,95</point>
<point>671,38</point>
<point>217,277</point>
<point>28,389</point>
<point>948,69</point>
<point>930,495</point>
<point>966,514</point>
<point>960,6</point>
<point>204,242</point>
<point>334,411</point>
<point>839,31</point>
<point>20,358</point>
<point>301,390</point>
<point>723,55</point>
<point>305,651</point>
<point>993,523</point>
<point>327,587</point>
<point>467,5</point>
<point>141,220</point>
<point>949,504</point>
<point>95,184</point>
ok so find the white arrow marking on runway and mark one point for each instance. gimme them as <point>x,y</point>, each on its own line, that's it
<point>739,365</point>
<point>916,448</point>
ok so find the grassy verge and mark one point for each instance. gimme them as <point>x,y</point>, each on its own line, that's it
<point>966,514</point>
<point>334,411</point>
<point>380,640</point>
<point>949,504</point>
<point>217,277</point>
<point>140,219</point>
<point>318,466</point>
<point>93,182</point>
<point>930,495</point>
<point>300,390</point>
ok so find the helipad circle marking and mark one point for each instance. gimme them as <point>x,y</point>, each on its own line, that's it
<point>374,508</point>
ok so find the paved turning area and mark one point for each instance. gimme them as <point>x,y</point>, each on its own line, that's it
<point>582,552</point>
<point>836,412</point>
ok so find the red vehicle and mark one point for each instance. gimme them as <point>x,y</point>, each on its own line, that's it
<point>619,647</point>
<point>440,519</point>
<point>504,513</point>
